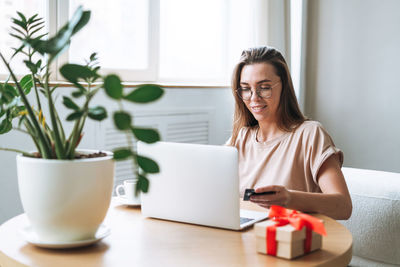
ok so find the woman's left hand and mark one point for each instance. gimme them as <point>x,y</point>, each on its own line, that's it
<point>281,197</point>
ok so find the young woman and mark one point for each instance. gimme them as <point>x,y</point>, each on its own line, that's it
<point>279,149</point>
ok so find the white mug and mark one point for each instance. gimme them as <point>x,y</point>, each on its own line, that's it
<point>129,191</point>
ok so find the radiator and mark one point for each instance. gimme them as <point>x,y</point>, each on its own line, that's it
<point>182,126</point>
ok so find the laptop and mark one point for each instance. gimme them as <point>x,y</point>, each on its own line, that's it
<point>197,184</point>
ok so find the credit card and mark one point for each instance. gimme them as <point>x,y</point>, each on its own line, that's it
<point>249,192</point>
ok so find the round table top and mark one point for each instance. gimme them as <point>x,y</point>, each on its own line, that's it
<point>140,241</point>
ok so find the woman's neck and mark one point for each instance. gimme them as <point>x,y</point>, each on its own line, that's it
<point>268,131</point>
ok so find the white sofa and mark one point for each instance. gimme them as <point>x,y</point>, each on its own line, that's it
<point>375,221</point>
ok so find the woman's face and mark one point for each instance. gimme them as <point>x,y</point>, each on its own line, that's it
<point>261,77</point>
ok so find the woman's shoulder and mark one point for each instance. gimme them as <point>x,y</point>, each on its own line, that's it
<point>309,126</point>
<point>245,132</point>
<point>242,136</point>
<point>312,130</point>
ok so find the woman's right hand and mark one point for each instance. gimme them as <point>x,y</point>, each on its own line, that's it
<point>281,197</point>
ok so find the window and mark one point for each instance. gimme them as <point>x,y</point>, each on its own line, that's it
<point>192,40</point>
<point>200,41</point>
<point>119,31</point>
<point>154,40</point>
<point>8,10</point>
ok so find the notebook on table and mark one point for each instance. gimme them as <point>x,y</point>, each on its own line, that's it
<point>197,184</point>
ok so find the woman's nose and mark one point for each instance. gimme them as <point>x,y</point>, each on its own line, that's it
<point>254,96</point>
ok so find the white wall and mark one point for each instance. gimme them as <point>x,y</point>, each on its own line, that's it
<point>219,99</point>
<point>353,78</point>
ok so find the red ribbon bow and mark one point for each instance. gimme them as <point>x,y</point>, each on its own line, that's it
<point>298,220</point>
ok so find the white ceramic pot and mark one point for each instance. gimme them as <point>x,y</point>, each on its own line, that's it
<point>65,200</point>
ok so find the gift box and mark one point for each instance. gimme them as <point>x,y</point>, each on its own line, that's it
<point>288,234</point>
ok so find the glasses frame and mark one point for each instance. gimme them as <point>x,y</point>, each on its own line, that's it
<point>257,92</point>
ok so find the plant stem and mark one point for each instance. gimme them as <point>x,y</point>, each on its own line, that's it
<point>17,150</point>
<point>34,82</point>
<point>62,132</point>
<point>59,148</point>
<point>31,132</point>
<point>72,139</point>
<point>21,130</point>
<point>44,147</point>
<point>76,132</point>
<point>78,127</point>
<point>36,92</point>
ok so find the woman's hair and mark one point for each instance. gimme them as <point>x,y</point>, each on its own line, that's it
<point>288,108</point>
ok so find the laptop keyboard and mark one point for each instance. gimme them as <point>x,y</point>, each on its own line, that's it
<point>244,220</point>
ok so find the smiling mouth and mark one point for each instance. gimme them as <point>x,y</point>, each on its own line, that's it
<point>258,109</point>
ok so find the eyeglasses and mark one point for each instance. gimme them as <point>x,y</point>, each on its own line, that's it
<point>263,91</point>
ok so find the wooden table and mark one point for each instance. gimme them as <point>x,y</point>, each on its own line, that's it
<point>139,241</point>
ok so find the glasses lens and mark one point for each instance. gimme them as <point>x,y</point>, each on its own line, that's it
<point>244,93</point>
<point>265,93</point>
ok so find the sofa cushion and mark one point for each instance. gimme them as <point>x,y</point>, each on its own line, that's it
<point>363,262</point>
<point>375,221</point>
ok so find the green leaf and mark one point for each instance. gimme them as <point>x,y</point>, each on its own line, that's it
<point>19,23</point>
<point>26,83</point>
<point>38,64</point>
<point>21,120</point>
<point>20,108</point>
<point>8,94</point>
<point>16,36</point>
<point>113,86</point>
<point>97,113</point>
<point>77,94</point>
<point>35,20</point>
<point>31,19</point>
<point>82,21</point>
<point>75,115</point>
<point>146,135</point>
<point>5,126</point>
<point>122,153</point>
<point>72,72</point>
<point>36,30</point>
<point>40,24</point>
<point>142,184</point>
<point>55,45</point>
<point>40,36</point>
<point>32,67</point>
<point>16,100</point>
<point>93,57</point>
<point>122,120</point>
<point>145,93</point>
<point>18,30</point>
<point>21,16</point>
<point>69,103</point>
<point>43,92</point>
<point>16,51</point>
<point>11,90</point>
<point>148,165</point>
<point>16,111</point>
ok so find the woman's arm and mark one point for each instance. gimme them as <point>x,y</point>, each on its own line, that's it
<point>334,202</point>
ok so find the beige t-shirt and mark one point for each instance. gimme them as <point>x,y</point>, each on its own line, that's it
<point>292,160</point>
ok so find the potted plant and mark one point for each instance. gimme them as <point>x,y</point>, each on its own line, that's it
<point>66,191</point>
